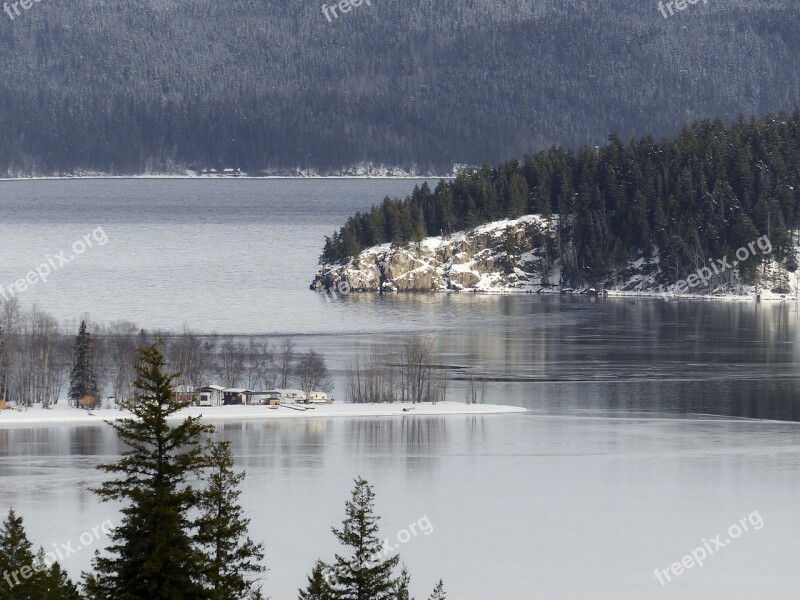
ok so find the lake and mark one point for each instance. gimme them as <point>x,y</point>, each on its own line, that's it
<point>653,426</point>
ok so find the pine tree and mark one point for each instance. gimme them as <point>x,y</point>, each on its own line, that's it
<point>152,554</point>
<point>231,558</point>
<point>438,592</point>
<point>83,389</point>
<point>363,576</point>
<point>318,587</point>
<point>26,576</point>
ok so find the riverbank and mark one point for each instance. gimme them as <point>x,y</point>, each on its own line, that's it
<point>65,415</point>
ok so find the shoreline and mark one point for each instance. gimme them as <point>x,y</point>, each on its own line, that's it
<point>223,177</point>
<point>766,296</point>
<point>63,415</point>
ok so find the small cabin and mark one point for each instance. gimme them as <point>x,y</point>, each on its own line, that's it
<point>235,396</point>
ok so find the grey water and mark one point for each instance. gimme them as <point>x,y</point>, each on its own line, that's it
<point>652,425</point>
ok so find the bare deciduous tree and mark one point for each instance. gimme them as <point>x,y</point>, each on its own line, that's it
<point>312,373</point>
<point>414,375</point>
<point>232,357</point>
<point>285,362</point>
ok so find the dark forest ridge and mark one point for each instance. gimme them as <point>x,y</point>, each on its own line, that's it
<point>161,85</point>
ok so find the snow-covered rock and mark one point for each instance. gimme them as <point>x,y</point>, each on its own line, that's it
<point>499,256</point>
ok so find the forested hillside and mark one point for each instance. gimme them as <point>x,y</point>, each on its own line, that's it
<point>159,85</point>
<point>684,200</point>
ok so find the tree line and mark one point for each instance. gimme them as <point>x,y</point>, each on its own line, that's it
<point>183,532</point>
<point>41,360</point>
<point>681,201</point>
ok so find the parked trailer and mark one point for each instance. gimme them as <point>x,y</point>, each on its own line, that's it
<point>318,398</point>
<point>291,396</point>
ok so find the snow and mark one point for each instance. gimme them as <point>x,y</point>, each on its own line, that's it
<point>498,227</point>
<point>74,416</point>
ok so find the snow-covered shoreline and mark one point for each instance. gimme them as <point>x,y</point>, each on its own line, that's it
<point>223,177</point>
<point>63,415</point>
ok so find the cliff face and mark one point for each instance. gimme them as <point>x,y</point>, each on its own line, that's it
<point>501,256</point>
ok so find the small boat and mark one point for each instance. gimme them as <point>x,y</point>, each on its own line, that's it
<point>294,407</point>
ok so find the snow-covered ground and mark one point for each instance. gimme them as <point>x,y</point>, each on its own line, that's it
<point>74,416</point>
<point>357,171</point>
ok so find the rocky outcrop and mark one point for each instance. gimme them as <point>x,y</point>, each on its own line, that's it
<point>503,255</point>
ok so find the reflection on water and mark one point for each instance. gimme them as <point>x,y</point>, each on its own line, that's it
<point>536,493</point>
<point>563,353</point>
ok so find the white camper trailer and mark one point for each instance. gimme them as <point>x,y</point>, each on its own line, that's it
<point>291,396</point>
<point>317,398</point>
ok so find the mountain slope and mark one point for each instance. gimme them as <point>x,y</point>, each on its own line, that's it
<point>158,85</point>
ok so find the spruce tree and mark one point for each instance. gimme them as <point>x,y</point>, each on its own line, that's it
<point>232,560</point>
<point>25,576</point>
<point>404,581</point>
<point>318,587</point>
<point>438,592</point>
<point>363,576</point>
<point>52,583</point>
<point>15,549</point>
<point>152,554</point>
<point>83,389</point>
